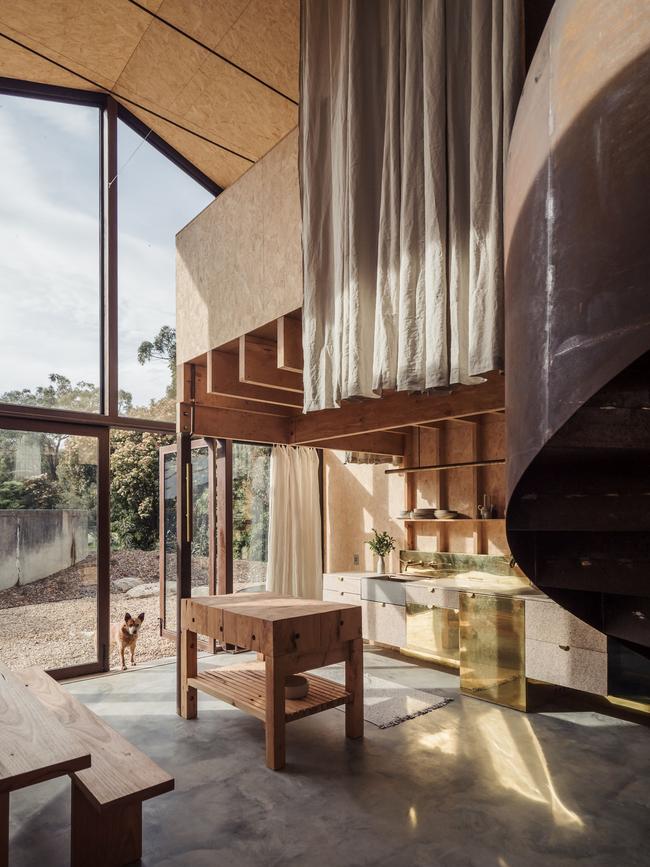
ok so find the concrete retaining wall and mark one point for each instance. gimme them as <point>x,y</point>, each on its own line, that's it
<point>35,543</point>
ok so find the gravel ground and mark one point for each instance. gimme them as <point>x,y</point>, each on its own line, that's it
<point>51,622</point>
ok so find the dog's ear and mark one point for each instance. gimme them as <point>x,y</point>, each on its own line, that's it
<point>141,617</point>
<point>127,617</point>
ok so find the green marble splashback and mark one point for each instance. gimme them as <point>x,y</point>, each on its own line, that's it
<point>495,565</point>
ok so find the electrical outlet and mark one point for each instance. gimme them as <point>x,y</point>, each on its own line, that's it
<point>355,559</point>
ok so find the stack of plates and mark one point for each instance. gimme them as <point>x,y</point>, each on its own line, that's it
<point>424,513</point>
<point>445,513</point>
<point>406,513</point>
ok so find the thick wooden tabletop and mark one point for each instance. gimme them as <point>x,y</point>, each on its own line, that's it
<point>271,623</point>
<point>268,607</point>
<point>34,745</point>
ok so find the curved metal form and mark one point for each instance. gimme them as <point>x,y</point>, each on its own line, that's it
<point>578,317</point>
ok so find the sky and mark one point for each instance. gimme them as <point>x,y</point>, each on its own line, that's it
<point>49,246</point>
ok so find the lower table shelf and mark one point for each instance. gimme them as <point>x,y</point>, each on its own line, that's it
<point>244,687</point>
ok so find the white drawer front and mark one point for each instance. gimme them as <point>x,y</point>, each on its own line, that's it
<point>574,667</point>
<point>442,597</point>
<point>381,590</point>
<point>341,596</point>
<point>384,622</point>
<point>347,583</point>
<point>546,621</point>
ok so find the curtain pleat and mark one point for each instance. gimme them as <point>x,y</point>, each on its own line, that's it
<point>295,565</point>
<point>406,111</point>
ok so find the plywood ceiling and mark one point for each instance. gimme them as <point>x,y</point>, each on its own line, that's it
<point>147,52</point>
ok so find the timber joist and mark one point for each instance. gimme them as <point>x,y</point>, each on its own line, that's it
<point>251,390</point>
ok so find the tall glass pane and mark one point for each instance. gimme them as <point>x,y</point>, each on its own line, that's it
<point>48,549</point>
<point>155,200</point>
<point>135,533</point>
<point>250,515</point>
<point>169,520</point>
<point>49,254</point>
<point>200,521</point>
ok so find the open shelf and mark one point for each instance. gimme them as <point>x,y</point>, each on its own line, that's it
<point>448,520</point>
<point>244,687</point>
<point>436,468</point>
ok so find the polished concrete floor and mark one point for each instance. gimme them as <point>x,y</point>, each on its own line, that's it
<point>468,785</point>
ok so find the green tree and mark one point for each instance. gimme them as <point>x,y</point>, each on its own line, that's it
<point>62,394</point>
<point>163,348</point>
<point>36,493</point>
<point>134,488</point>
<point>250,501</point>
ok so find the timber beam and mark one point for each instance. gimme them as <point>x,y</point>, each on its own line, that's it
<point>397,409</point>
<point>233,424</point>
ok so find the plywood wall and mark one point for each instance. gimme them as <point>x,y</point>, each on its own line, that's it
<point>358,497</point>
<point>238,263</point>
<point>462,489</point>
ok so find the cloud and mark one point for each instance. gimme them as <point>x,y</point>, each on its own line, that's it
<point>50,247</point>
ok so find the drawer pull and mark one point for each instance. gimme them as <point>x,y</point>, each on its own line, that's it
<point>341,579</point>
<point>564,647</point>
<point>433,590</point>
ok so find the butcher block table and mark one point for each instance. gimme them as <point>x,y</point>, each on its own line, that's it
<point>293,636</point>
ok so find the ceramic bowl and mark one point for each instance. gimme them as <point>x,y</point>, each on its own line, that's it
<point>296,686</point>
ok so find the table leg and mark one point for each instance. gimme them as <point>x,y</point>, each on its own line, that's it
<point>275,724</point>
<point>188,669</point>
<point>4,829</point>
<point>354,685</point>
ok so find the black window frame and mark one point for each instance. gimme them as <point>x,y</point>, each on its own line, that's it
<point>110,112</point>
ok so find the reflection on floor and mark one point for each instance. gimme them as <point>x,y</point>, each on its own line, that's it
<point>470,784</point>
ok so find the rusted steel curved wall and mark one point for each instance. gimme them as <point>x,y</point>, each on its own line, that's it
<point>578,316</point>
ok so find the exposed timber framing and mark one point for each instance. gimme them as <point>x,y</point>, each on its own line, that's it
<point>258,365</point>
<point>250,389</point>
<point>223,377</point>
<point>290,344</point>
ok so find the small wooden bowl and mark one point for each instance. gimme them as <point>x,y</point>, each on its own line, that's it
<point>296,686</point>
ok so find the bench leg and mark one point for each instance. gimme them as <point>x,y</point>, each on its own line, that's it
<point>111,837</point>
<point>4,829</point>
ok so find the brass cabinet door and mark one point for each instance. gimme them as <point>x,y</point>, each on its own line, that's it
<point>492,649</point>
<point>433,632</point>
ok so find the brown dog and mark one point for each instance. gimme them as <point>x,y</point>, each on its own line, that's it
<point>125,635</point>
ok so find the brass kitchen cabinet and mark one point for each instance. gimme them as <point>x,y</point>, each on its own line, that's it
<point>493,649</point>
<point>432,633</point>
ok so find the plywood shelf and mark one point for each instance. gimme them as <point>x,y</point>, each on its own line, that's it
<point>435,468</point>
<point>244,687</point>
<point>448,520</point>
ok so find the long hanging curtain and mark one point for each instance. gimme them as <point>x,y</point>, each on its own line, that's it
<point>406,111</point>
<point>295,563</point>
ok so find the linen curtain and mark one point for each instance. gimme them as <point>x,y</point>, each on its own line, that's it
<point>406,111</point>
<point>295,563</point>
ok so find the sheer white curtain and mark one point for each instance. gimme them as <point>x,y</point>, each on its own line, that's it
<point>295,564</point>
<point>405,116</point>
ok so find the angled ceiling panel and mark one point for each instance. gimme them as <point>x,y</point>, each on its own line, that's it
<point>124,48</point>
<point>263,42</point>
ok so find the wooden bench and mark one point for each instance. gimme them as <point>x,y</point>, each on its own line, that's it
<point>107,796</point>
<point>34,747</point>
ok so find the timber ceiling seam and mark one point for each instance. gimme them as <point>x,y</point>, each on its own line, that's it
<point>212,51</point>
<point>121,96</point>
